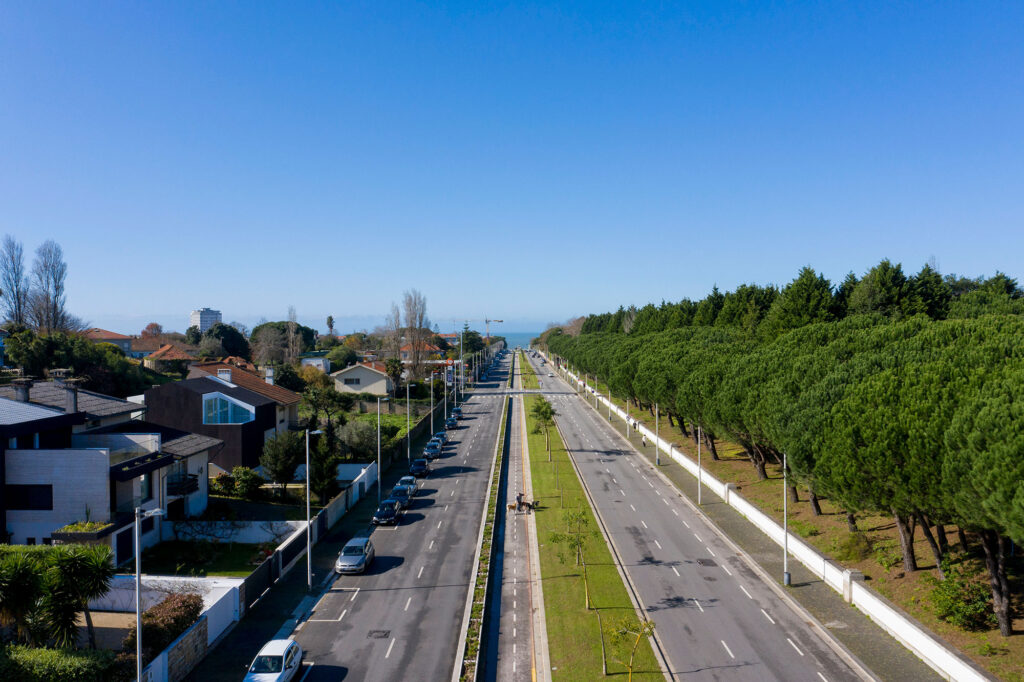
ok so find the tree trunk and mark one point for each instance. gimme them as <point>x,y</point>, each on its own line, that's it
<point>964,547</point>
<point>815,505</point>
<point>671,423</point>
<point>88,624</point>
<point>932,544</point>
<point>851,522</point>
<point>995,561</point>
<point>757,459</point>
<point>906,542</point>
<point>682,427</point>
<point>710,441</point>
<point>940,535</point>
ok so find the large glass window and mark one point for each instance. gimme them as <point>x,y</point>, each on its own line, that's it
<point>220,410</point>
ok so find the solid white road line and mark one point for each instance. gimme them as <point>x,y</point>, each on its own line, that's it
<point>726,648</point>
<point>794,646</point>
<point>768,617</point>
<point>354,594</point>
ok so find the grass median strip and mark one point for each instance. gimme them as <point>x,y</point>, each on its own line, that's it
<point>565,524</point>
<point>529,377</point>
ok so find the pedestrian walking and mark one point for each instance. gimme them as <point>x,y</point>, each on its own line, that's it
<point>519,502</point>
<point>643,441</point>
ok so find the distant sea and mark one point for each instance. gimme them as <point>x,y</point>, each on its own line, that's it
<point>514,339</point>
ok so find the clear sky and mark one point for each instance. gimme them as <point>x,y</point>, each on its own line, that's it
<point>525,161</point>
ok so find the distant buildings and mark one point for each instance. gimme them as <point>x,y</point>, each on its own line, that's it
<point>364,377</point>
<point>204,319</point>
<point>97,335</point>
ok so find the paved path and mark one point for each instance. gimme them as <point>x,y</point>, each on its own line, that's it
<point>716,619</point>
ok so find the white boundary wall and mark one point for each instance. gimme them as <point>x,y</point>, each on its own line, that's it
<point>907,631</point>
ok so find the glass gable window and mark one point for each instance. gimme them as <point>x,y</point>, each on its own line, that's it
<point>220,410</point>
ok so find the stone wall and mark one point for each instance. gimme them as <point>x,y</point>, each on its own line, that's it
<point>187,651</point>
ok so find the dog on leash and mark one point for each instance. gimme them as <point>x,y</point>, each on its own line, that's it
<point>512,507</point>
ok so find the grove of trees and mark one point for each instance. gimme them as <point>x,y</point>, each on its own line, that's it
<point>889,394</point>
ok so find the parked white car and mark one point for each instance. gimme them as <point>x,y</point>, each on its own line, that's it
<point>279,660</point>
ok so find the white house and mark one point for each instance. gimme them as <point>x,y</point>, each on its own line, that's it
<point>364,377</point>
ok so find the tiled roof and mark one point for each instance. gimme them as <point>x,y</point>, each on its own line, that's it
<point>172,441</point>
<point>429,347</point>
<point>247,380</point>
<point>17,412</point>
<point>97,334</point>
<point>168,353</point>
<point>150,344</point>
<point>52,394</point>
<point>205,383</point>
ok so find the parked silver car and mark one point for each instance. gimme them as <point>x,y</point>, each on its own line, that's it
<point>356,556</point>
<point>280,660</point>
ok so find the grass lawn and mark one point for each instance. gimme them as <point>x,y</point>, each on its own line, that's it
<point>235,509</point>
<point>220,559</point>
<point>881,564</point>
<point>574,636</point>
<point>526,371</point>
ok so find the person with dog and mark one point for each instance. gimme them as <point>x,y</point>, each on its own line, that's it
<point>519,502</point>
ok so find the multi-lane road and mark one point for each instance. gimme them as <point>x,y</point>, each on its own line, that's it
<point>403,618</point>
<point>716,618</point>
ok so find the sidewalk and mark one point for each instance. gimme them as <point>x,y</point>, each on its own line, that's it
<point>887,658</point>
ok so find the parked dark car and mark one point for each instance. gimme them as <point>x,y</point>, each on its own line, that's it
<point>431,452</point>
<point>387,513</point>
<point>451,423</point>
<point>441,436</point>
<point>419,468</point>
<point>403,494</point>
<point>457,412</point>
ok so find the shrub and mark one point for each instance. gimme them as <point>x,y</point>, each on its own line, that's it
<point>27,664</point>
<point>962,600</point>
<point>224,483</point>
<point>247,482</point>
<point>164,623</point>
<point>854,547</point>
<point>802,528</point>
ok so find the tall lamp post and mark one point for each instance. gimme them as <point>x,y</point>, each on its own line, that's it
<point>657,438</point>
<point>699,470</point>
<point>786,578</point>
<point>408,425</point>
<point>432,402</point>
<point>380,477</point>
<point>309,538</point>
<point>139,515</point>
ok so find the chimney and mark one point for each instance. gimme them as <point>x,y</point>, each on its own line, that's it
<point>224,374</point>
<point>70,396</point>
<point>21,389</point>
<point>270,375</point>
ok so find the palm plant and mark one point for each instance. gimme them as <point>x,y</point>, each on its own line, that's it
<point>21,587</point>
<point>81,573</point>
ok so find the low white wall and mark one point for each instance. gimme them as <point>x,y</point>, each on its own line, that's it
<point>121,597</point>
<point>908,632</point>
<point>249,532</point>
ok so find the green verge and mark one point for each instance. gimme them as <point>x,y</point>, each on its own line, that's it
<point>528,376</point>
<point>574,636</point>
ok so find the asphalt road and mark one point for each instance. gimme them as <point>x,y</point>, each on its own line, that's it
<point>715,618</point>
<point>403,618</point>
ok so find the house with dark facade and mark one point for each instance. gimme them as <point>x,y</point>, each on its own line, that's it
<point>216,407</point>
<point>70,456</point>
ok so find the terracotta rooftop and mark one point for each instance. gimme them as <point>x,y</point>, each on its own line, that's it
<point>429,347</point>
<point>247,380</point>
<point>150,343</point>
<point>97,334</point>
<point>167,353</point>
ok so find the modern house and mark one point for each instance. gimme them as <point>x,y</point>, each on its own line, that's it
<point>287,411</point>
<point>204,318</point>
<point>217,407</point>
<point>364,377</point>
<point>316,359</point>
<point>54,473</point>
<point>97,335</point>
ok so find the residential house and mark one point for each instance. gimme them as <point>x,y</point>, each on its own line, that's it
<point>169,358</point>
<point>3,347</point>
<point>144,346</point>
<point>364,377</point>
<point>316,359</point>
<point>224,406</point>
<point>287,402</point>
<point>97,335</point>
<point>54,472</point>
<point>428,351</point>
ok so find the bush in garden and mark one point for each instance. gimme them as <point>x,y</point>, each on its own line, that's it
<point>247,482</point>
<point>164,623</point>
<point>224,483</point>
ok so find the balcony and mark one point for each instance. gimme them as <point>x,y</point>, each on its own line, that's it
<point>183,484</point>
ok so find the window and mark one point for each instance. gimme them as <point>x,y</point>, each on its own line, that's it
<point>219,410</point>
<point>30,541</point>
<point>146,487</point>
<point>29,497</point>
<point>352,382</point>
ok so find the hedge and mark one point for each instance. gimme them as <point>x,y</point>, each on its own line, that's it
<point>27,664</point>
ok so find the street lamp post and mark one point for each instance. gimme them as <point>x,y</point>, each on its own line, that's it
<point>657,438</point>
<point>380,477</point>
<point>432,402</point>
<point>309,539</point>
<point>786,578</point>
<point>699,470</point>
<point>408,425</point>
<point>139,515</point>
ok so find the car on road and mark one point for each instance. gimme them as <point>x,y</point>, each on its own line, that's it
<point>278,661</point>
<point>411,482</point>
<point>441,436</point>
<point>387,513</point>
<point>403,495</point>
<point>457,412</point>
<point>432,452</point>
<point>355,557</point>
<point>437,442</point>
<point>551,374</point>
<point>419,468</point>
<point>451,423</point>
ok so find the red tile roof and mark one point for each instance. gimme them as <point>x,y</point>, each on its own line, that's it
<point>429,347</point>
<point>247,380</point>
<point>97,334</point>
<point>168,352</point>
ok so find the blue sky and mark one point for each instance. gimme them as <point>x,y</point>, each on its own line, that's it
<point>525,161</point>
